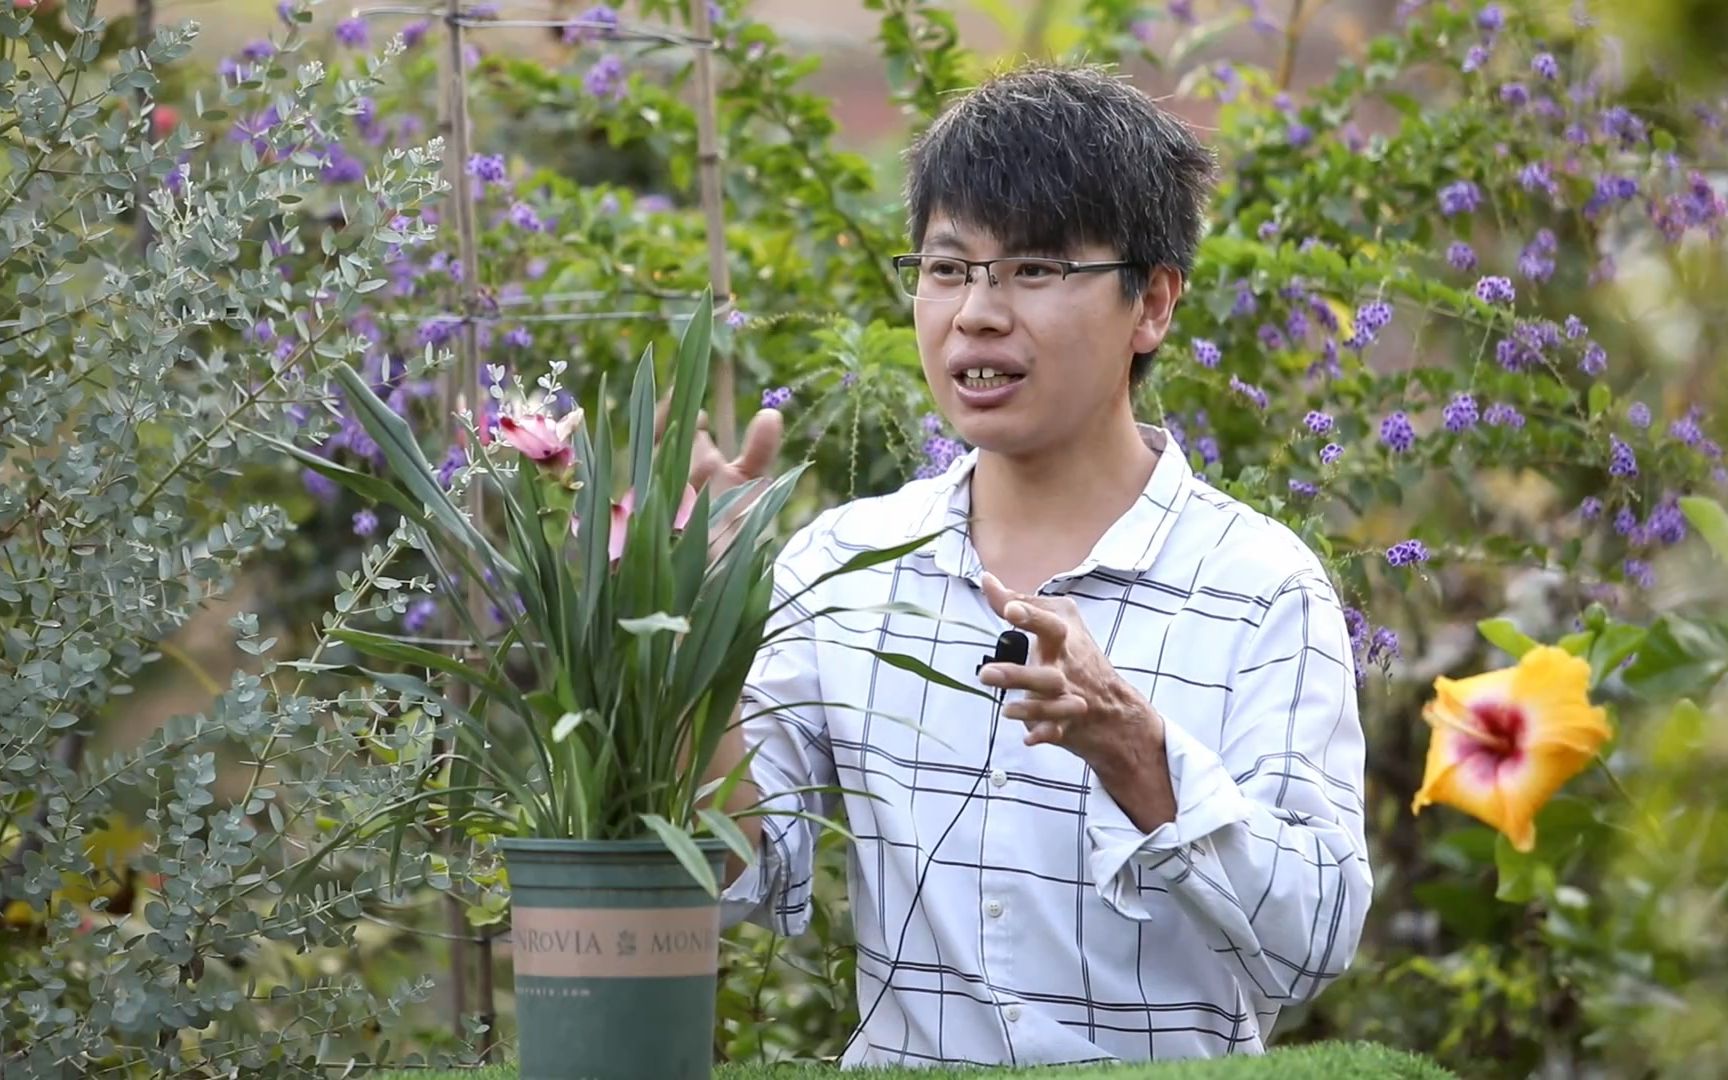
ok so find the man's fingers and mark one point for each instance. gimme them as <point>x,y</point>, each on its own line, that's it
<point>663,416</point>
<point>1031,711</point>
<point>996,593</point>
<point>1034,679</point>
<point>706,460</point>
<point>1034,618</point>
<point>761,443</point>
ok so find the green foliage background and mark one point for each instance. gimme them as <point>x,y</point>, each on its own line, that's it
<point>158,919</point>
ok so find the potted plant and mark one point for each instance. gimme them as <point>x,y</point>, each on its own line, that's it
<point>582,734</point>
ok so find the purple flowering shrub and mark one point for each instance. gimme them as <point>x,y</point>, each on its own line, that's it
<point>1474,410</point>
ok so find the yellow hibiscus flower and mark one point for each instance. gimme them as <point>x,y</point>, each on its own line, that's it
<point>1504,742</point>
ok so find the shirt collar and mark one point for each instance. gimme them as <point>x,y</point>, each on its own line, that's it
<point>1130,545</point>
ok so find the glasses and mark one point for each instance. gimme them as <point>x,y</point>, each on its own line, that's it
<point>946,277</point>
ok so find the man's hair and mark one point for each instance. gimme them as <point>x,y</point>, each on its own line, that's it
<point>1048,158</point>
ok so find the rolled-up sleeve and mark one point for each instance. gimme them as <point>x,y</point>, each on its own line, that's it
<point>1267,853</point>
<point>790,734</point>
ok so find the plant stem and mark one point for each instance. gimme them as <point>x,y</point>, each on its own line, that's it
<point>1620,789</point>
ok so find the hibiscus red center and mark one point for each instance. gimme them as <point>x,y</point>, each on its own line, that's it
<point>1501,738</point>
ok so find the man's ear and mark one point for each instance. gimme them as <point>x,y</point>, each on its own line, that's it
<point>1164,286</point>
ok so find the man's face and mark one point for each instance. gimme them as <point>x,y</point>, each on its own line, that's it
<point>1064,344</point>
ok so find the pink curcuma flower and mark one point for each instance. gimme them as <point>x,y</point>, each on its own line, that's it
<point>541,438</point>
<point>622,510</point>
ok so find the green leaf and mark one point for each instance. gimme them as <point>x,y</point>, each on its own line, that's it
<point>1600,398</point>
<point>1506,636</point>
<point>1523,875</point>
<point>1611,647</point>
<point>920,668</point>
<point>656,623</point>
<point>728,832</point>
<point>1710,519</point>
<point>388,648</point>
<point>689,855</point>
<point>362,484</point>
<point>1679,658</point>
<point>864,560</point>
<point>402,450</point>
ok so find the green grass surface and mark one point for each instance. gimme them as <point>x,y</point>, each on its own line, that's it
<point>1325,1061</point>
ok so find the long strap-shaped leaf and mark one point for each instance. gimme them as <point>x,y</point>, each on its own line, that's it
<point>400,448</point>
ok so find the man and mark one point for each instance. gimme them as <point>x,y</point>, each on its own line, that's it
<point>1173,847</point>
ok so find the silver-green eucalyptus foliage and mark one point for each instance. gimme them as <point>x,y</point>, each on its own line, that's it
<point>131,409</point>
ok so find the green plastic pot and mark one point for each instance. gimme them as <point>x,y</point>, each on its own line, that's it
<point>616,950</point>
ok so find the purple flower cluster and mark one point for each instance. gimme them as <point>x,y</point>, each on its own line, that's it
<point>1397,434</point>
<point>1500,414</point>
<point>1699,206</point>
<point>438,330</point>
<point>601,21</point>
<point>1461,255</point>
<point>1621,460</point>
<point>1253,393</point>
<point>1539,176</point>
<point>1609,190</point>
<point>1595,359</point>
<point>419,615</point>
<point>1619,122</point>
<point>939,454</point>
<point>1318,422</point>
<point>777,397</point>
<point>605,79</point>
<point>1496,290</point>
<point>1371,318</point>
<point>1536,261</point>
<point>736,319</point>
<point>1575,328</point>
<point>1545,66</point>
<point>365,523</point>
<point>353,32</point>
<point>414,34</point>
<point>1639,573</point>
<point>1371,646</point>
<point>1460,197</point>
<point>487,168</point>
<point>1590,509</point>
<point>454,459</point>
<point>1206,354</point>
<point>1330,453</point>
<point>518,337</point>
<point>1638,415</point>
<point>1302,489</point>
<point>1407,553</point>
<point>1475,59</point>
<point>341,167</point>
<point>525,217</point>
<point>1460,413</point>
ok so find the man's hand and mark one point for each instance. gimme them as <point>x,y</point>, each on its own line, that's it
<point>708,466</point>
<point>1074,697</point>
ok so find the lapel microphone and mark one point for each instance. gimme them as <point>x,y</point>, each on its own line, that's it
<point>1012,647</point>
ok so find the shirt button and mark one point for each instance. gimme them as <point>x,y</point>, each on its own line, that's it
<point>998,777</point>
<point>1012,1012</point>
<point>993,909</point>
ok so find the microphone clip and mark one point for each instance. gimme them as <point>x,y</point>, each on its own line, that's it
<point>1012,647</point>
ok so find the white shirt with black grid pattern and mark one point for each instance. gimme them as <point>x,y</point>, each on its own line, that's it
<point>1007,911</point>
